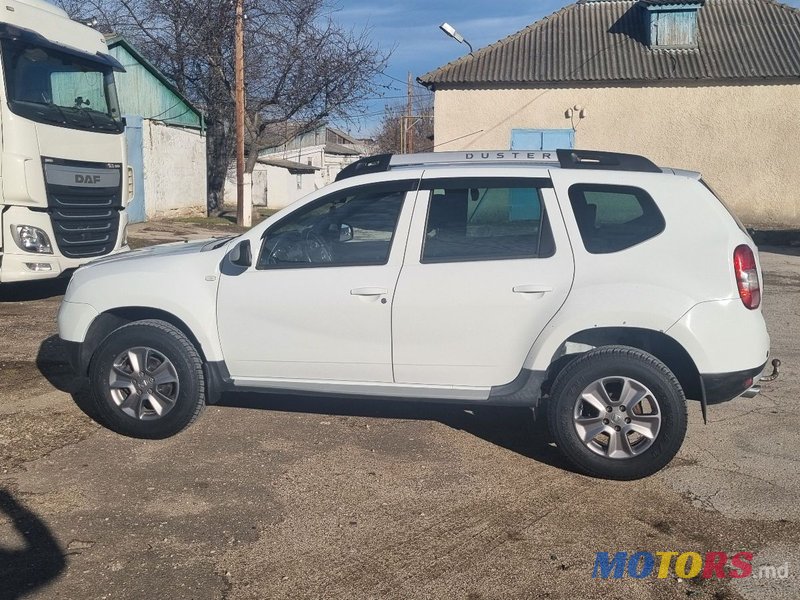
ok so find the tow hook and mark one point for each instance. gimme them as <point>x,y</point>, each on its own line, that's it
<point>776,365</point>
<point>755,390</point>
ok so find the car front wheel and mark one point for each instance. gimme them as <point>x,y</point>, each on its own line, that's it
<point>147,380</point>
<point>617,412</point>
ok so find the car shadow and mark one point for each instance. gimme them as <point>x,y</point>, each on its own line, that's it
<point>52,363</point>
<point>33,290</point>
<point>777,241</point>
<point>512,428</point>
<point>39,560</point>
<point>787,250</point>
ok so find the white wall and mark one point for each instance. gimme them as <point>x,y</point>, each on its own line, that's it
<point>276,187</point>
<point>174,170</point>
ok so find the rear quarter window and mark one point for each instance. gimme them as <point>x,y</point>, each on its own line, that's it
<point>612,218</point>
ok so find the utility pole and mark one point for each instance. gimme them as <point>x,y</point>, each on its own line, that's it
<point>408,122</point>
<point>243,206</point>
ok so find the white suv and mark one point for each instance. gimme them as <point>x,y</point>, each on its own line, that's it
<point>597,286</point>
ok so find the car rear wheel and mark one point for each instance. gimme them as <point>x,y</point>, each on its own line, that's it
<point>147,380</point>
<point>617,412</point>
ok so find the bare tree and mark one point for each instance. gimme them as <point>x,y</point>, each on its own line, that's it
<point>300,65</point>
<point>390,135</point>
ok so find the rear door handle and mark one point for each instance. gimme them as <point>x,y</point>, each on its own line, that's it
<point>369,291</point>
<point>531,289</point>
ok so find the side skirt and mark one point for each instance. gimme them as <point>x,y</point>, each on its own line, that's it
<point>523,391</point>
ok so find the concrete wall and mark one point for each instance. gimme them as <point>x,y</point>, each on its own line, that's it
<point>174,170</point>
<point>275,187</point>
<point>744,139</point>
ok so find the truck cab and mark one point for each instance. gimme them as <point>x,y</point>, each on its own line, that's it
<point>63,181</point>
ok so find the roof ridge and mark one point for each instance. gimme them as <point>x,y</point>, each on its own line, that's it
<point>536,24</point>
<point>782,5</point>
<point>565,45</point>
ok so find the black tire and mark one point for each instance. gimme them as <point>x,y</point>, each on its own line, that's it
<point>623,362</point>
<point>168,342</point>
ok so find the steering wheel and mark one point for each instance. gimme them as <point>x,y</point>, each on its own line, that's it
<point>287,246</point>
<point>295,247</point>
<point>317,249</point>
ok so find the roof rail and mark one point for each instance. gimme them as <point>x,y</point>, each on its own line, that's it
<point>370,164</point>
<point>611,161</point>
<point>566,159</point>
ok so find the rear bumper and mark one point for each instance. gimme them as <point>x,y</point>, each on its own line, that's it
<point>721,387</point>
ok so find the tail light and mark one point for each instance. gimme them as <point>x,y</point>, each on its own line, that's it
<point>744,267</point>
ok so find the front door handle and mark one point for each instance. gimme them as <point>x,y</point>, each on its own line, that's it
<point>369,291</point>
<point>531,289</point>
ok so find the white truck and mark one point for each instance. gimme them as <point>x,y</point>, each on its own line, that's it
<point>595,286</point>
<point>63,184</point>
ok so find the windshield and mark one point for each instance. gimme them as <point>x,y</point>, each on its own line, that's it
<point>53,87</point>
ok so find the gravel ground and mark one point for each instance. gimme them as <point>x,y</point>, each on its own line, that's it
<point>299,497</point>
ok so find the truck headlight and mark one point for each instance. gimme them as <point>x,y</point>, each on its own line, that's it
<point>31,239</point>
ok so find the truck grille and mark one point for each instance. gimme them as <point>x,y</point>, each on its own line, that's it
<point>85,233</point>
<point>84,201</point>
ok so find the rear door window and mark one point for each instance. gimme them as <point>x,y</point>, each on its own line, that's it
<point>486,219</point>
<point>612,218</point>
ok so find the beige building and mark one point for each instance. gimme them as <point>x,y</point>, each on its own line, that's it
<point>710,86</point>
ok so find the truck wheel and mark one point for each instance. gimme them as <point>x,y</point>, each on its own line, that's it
<point>618,413</point>
<point>147,380</point>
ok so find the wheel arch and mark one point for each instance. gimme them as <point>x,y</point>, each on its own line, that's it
<point>107,322</point>
<point>663,347</point>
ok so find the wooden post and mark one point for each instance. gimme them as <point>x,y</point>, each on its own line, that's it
<point>243,210</point>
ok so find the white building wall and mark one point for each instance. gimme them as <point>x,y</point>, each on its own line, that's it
<point>276,187</point>
<point>174,170</point>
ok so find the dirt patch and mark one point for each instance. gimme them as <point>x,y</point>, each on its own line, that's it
<point>782,281</point>
<point>27,436</point>
<point>16,376</point>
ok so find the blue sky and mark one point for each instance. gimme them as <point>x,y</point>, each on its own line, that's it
<point>411,30</point>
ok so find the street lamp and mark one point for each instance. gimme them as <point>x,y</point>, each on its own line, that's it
<point>451,32</point>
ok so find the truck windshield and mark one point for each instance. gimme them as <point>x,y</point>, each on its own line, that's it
<point>58,88</point>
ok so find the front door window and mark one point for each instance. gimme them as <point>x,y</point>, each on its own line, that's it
<point>352,228</point>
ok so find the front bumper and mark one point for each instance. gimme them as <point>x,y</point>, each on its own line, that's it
<point>14,261</point>
<point>722,387</point>
<point>14,267</point>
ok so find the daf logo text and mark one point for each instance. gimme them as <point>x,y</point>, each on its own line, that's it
<point>87,179</point>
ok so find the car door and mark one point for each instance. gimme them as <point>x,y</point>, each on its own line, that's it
<point>316,305</point>
<point>488,264</point>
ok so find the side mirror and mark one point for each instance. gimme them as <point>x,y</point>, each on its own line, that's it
<point>241,256</point>
<point>345,233</point>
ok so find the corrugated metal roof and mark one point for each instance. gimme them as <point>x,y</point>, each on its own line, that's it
<point>145,91</point>
<point>292,166</point>
<point>607,41</point>
<point>331,148</point>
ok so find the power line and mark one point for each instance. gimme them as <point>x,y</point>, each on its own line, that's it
<point>401,81</point>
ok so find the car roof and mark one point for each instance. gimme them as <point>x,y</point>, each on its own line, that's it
<point>563,159</point>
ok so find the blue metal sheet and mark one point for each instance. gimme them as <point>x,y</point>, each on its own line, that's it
<point>542,139</point>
